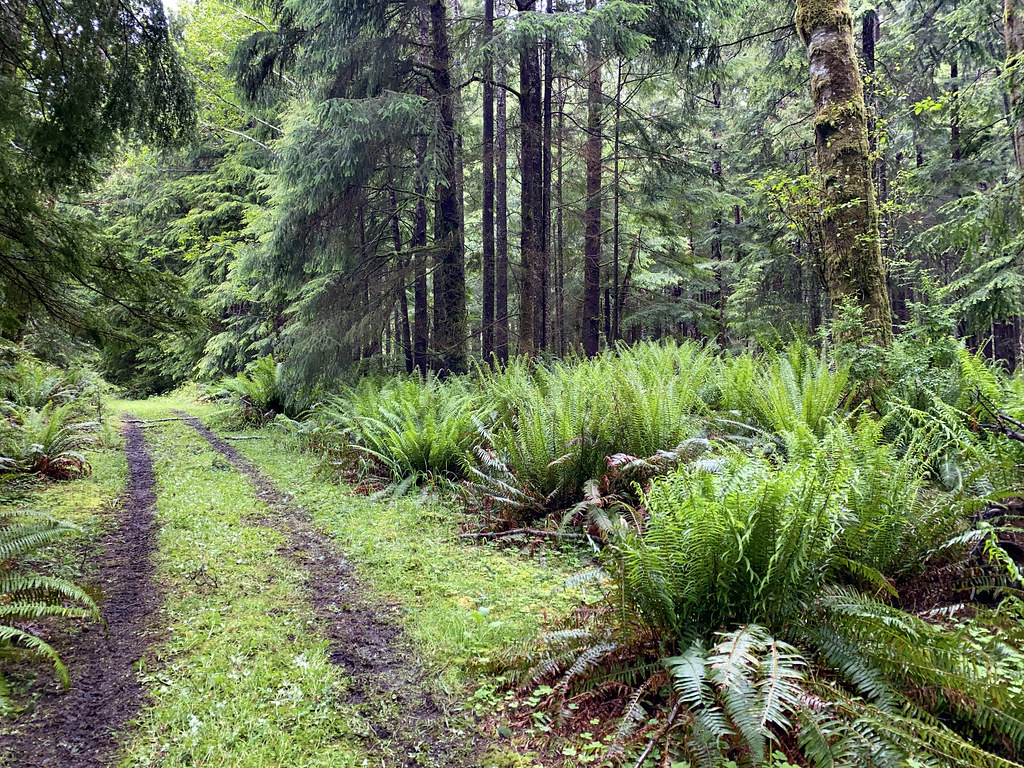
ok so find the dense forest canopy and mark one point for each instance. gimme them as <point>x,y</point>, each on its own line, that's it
<point>417,185</point>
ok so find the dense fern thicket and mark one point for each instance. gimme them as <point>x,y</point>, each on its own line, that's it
<point>764,528</point>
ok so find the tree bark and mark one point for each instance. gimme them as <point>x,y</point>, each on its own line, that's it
<point>559,245</point>
<point>616,203</point>
<point>418,245</point>
<point>531,173</point>
<point>591,324</point>
<point>717,225</point>
<point>450,273</point>
<point>955,148</point>
<point>501,332</point>
<point>487,318</point>
<point>540,324</point>
<point>1014,33</point>
<point>402,331</point>
<point>854,269</point>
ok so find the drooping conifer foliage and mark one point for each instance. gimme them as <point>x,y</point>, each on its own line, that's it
<point>76,79</point>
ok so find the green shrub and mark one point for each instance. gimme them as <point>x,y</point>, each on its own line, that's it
<point>27,597</point>
<point>555,428</point>
<point>254,395</point>
<point>46,441</point>
<point>407,430</point>
<point>752,552</point>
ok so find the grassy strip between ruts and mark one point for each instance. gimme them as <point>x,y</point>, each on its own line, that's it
<point>239,679</point>
<point>460,602</point>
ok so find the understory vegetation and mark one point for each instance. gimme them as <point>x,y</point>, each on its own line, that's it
<point>48,417</point>
<point>791,561</point>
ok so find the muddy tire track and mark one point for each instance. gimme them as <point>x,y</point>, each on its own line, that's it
<point>78,728</point>
<point>362,638</point>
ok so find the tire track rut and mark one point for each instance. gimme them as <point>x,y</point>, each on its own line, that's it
<point>78,728</point>
<point>362,638</point>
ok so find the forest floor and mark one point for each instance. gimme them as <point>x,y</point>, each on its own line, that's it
<point>259,614</point>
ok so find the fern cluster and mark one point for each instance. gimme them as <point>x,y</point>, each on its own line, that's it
<point>47,417</point>
<point>768,589</point>
<point>27,597</point>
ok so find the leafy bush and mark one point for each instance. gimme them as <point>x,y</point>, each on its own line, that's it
<point>27,597</point>
<point>554,429</point>
<point>46,441</point>
<point>408,430</point>
<point>754,554</point>
<point>255,395</point>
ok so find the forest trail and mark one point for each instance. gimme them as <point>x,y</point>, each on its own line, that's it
<point>363,639</point>
<point>78,729</point>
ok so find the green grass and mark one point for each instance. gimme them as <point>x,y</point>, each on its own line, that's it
<point>461,602</point>
<point>87,502</point>
<point>238,678</point>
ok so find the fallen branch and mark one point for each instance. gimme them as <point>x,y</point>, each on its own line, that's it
<point>658,734</point>
<point>247,437</point>
<point>151,421</point>
<point>519,532</point>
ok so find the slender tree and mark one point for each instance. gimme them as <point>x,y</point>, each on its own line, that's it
<point>487,318</point>
<point>1014,33</point>
<point>501,330</point>
<point>853,265</point>
<point>592,214</point>
<point>531,121</point>
<point>450,272</point>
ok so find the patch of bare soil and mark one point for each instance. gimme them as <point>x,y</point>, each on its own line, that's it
<point>78,728</point>
<point>410,724</point>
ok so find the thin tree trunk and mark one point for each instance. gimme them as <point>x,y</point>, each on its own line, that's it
<point>418,244</point>
<point>590,330</point>
<point>450,274</point>
<point>501,331</point>
<point>488,189</point>
<point>531,173</point>
<point>1014,32</point>
<point>956,150</point>
<point>559,245</point>
<point>541,320</point>
<point>402,331</point>
<point>854,269</point>
<point>718,223</point>
<point>614,335</point>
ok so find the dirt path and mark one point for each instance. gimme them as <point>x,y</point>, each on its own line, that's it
<point>387,681</point>
<point>77,729</point>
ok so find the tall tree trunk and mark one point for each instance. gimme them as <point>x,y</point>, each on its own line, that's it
<point>955,148</point>
<point>591,324</point>
<point>854,269</point>
<point>718,224</point>
<point>531,173</point>
<point>501,332</point>
<point>616,202</point>
<point>559,246</point>
<point>488,190</point>
<point>402,332</point>
<point>1014,31</point>
<point>450,273</point>
<point>418,245</point>
<point>541,321</point>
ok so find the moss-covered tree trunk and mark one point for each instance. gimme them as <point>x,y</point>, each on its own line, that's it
<point>854,269</point>
<point>1014,30</point>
